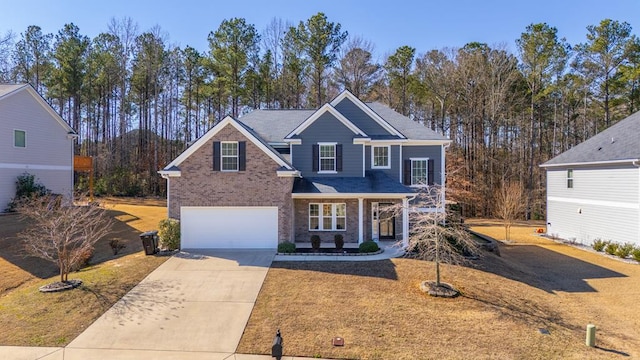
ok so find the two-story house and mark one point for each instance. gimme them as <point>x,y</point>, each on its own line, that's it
<point>285,175</point>
<point>35,140</point>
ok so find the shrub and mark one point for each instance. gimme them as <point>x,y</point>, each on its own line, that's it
<point>624,250</point>
<point>599,245</point>
<point>26,187</point>
<point>116,246</point>
<point>611,248</point>
<point>169,233</point>
<point>315,241</point>
<point>338,239</point>
<point>286,247</point>
<point>368,246</point>
<point>635,254</point>
<point>83,258</point>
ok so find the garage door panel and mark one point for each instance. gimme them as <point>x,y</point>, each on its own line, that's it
<point>229,227</point>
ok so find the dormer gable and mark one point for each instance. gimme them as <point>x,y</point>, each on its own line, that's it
<point>325,109</point>
<point>364,117</point>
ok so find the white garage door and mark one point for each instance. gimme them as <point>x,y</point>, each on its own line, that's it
<point>229,227</point>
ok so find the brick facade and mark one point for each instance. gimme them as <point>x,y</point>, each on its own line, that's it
<point>303,234</point>
<point>259,185</point>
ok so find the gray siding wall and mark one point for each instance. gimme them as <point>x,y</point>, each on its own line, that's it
<point>359,118</point>
<point>432,152</point>
<point>394,172</point>
<point>604,203</point>
<point>328,129</point>
<point>48,152</point>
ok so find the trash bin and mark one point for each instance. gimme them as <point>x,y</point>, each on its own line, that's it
<point>149,242</point>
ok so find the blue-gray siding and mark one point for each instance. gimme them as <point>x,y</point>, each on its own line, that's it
<point>360,119</point>
<point>394,172</point>
<point>328,129</point>
<point>432,152</point>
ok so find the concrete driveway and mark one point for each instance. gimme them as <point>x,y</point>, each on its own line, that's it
<point>194,306</point>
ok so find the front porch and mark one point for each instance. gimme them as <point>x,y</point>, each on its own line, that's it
<point>357,219</point>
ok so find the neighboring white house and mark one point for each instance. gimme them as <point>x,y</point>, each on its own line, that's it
<point>593,189</point>
<point>34,139</point>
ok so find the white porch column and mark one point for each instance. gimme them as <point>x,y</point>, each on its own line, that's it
<point>405,222</point>
<point>360,220</point>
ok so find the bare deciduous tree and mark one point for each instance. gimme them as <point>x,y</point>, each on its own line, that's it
<point>61,233</point>
<point>510,204</point>
<point>434,236</point>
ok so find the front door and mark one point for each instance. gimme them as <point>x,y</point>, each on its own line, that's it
<point>383,223</point>
<point>387,222</point>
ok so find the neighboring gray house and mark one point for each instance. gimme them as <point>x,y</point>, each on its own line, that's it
<point>285,175</point>
<point>34,139</point>
<point>593,189</point>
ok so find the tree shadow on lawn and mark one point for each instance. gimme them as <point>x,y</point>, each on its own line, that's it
<point>545,269</point>
<point>384,269</point>
<point>12,249</point>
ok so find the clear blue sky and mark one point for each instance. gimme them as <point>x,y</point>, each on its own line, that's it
<point>423,24</point>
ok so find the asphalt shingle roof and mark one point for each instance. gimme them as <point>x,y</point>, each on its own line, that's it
<point>375,181</point>
<point>619,142</point>
<point>274,125</point>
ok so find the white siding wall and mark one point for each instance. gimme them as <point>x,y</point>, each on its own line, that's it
<point>604,203</point>
<point>48,154</point>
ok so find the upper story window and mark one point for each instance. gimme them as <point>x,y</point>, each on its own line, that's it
<point>419,169</point>
<point>570,179</point>
<point>327,157</point>
<point>229,155</point>
<point>328,217</point>
<point>380,157</point>
<point>19,138</point>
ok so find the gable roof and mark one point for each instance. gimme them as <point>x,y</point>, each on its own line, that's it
<point>411,129</point>
<point>618,143</point>
<point>8,90</point>
<point>274,125</point>
<point>173,167</point>
<point>326,108</point>
<point>347,95</point>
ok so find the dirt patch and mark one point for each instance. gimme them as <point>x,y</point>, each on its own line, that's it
<point>533,302</point>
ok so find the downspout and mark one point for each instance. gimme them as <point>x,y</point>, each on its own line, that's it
<point>636,163</point>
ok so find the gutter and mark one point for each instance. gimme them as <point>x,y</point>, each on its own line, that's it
<point>635,162</point>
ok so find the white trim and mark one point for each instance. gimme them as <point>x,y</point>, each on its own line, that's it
<point>34,166</point>
<point>214,130</point>
<point>427,142</point>
<point>388,156</point>
<point>604,162</point>
<point>400,177</point>
<point>364,160</point>
<point>288,173</point>
<point>367,110</point>
<point>426,183</point>
<point>351,195</point>
<point>237,156</point>
<point>335,158</point>
<point>325,108</point>
<point>334,216</point>
<point>168,174</point>
<point>405,222</point>
<point>361,140</point>
<point>294,141</point>
<point>360,220</point>
<point>14,139</point>
<point>617,204</point>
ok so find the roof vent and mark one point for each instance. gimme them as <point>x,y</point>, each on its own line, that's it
<point>600,148</point>
<point>613,140</point>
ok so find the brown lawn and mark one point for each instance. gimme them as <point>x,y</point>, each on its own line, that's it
<point>28,317</point>
<point>379,310</point>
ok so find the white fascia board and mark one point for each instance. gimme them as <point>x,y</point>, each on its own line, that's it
<point>605,162</point>
<point>363,141</point>
<point>293,141</point>
<point>324,109</point>
<point>168,174</point>
<point>351,195</point>
<point>427,142</point>
<point>288,173</point>
<point>213,131</point>
<point>367,110</point>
